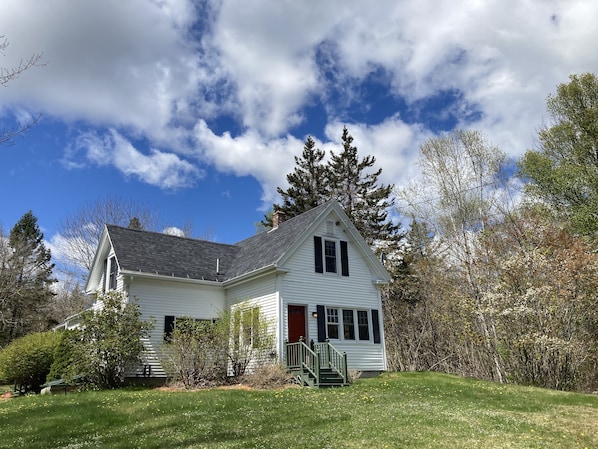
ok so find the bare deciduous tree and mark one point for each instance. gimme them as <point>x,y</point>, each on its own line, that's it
<point>459,196</point>
<point>7,136</point>
<point>80,232</point>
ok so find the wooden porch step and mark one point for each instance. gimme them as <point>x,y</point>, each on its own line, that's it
<point>328,378</point>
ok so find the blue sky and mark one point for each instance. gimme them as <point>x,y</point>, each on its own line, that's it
<point>197,108</point>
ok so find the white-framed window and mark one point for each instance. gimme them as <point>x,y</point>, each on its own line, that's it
<point>326,255</point>
<point>348,324</point>
<point>110,273</point>
<point>355,324</point>
<point>363,325</point>
<point>171,321</point>
<point>330,256</point>
<point>332,323</point>
<point>249,323</point>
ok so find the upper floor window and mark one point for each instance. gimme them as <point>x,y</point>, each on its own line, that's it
<point>330,256</point>
<point>326,256</point>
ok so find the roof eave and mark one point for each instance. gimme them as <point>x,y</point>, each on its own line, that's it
<point>163,277</point>
<point>93,272</point>
<point>263,271</point>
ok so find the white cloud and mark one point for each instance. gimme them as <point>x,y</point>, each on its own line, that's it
<point>110,62</point>
<point>393,143</point>
<point>173,230</point>
<point>250,154</point>
<point>145,68</point>
<point>164,170</point>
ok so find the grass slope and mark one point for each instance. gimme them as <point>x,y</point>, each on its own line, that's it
<point>395,410</point>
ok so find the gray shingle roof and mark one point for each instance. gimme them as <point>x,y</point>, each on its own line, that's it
<point>267,248</point>
<point>163,254</point>
<point>168,255</point>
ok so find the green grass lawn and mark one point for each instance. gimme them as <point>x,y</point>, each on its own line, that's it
<point>395,410</point>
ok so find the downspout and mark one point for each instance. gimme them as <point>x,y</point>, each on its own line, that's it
<point>279,340</point>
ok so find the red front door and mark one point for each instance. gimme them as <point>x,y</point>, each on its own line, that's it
<point>296,323</point>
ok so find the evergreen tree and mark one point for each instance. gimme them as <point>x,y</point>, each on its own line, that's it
<point>345,179</point>
<point>134,223</point>
<point>307,184</point>
<point>364,200</point>
<point>25,280</point>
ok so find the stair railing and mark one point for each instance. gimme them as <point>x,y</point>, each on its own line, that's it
<point>313,357</point>
<point>300,356</point>
<point>332,358</point>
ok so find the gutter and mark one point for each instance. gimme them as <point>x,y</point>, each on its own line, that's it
<point>164,277</point>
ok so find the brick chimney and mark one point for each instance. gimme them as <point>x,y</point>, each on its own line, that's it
<point>278,217</point>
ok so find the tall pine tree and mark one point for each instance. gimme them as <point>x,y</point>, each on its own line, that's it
<point>365,201</point>
<point>344,178</point>
<point>25,280</point>
<point>307,184</point>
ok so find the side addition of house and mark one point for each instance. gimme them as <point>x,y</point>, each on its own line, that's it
<point>313,275</point>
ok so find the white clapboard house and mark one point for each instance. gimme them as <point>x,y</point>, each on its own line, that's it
<point>313,275</point>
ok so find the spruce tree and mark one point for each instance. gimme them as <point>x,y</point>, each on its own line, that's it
<point>364,200</point>
<point>344,178</point>
<point>25,280</point>
<point>307,184</point>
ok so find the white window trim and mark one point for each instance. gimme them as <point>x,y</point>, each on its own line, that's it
<point>340,324</point>
<point>336,256</point>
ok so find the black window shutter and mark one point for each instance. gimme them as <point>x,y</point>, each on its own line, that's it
<point>105,275</point>
<point>344,259</point>
<point>318,254</point>
<point>376,325</point>
<point>168,326</point>
<point>321,323</point>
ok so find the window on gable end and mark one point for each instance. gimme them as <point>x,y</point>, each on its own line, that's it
<point>113,273</point>
<point>330,255</point>
<point>330,227</point>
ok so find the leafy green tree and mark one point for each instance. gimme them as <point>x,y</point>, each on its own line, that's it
<point>25,280</point>
<point>563,172</point>
<point>134,223</point>
<point>27,360</point>
<point>110,340</point>
<point>364,199</point>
